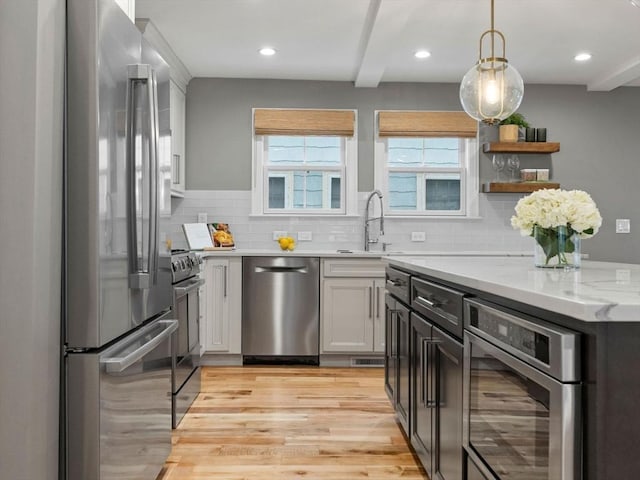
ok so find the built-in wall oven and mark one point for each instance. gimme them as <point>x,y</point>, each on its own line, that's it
<point>522,396</point>
<point>185,268</point>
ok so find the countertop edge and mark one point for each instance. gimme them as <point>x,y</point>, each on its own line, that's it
<point>587,308</point>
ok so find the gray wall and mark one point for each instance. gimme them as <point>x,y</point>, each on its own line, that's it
<point>599,134</point>
<point>31,99</point>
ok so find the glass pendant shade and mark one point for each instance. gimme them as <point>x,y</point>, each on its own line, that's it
<point>491,90</point>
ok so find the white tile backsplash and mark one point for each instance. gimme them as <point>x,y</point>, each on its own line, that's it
<point>492,232</point>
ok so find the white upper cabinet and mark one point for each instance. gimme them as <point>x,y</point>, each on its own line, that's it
<point>129,7</point>
<point>180,78</point>
<point>178,111</point>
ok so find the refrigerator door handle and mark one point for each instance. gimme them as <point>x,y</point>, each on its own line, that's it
<point>139,276</point>
<point>154,175</point>
<point>117,364</point>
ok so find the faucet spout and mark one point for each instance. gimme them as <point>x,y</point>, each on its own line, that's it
<point>367,220</point>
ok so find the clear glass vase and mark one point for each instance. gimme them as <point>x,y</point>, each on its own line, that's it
<point>556,247</point>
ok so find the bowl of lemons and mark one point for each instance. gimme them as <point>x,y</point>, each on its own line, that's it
<point>287,243</point>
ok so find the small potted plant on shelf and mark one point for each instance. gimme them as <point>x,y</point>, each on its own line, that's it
<point>510,127</point>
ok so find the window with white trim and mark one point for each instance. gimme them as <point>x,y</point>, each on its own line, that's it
<point>304,173</point>
<point>427,175</point>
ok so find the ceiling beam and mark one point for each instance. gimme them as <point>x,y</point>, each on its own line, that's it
<point>384,23</point>
<point>624,74</point>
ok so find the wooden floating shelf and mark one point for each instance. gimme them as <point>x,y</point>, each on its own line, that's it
<point>517,187</point>
<point>521,147</point>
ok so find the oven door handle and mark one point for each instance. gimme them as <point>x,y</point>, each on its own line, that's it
<point>182,291</point>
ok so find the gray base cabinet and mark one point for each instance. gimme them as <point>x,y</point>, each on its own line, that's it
<point>424,362</point>
<point>436,400</point>
<point>404,361</point>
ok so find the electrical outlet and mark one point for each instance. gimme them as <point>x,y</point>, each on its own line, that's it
<point>623,225</point>
<point>305,236</point>
<point>418,236</point>
<point>202,218</point>
<point>623,276</point>
<point>279,233</point>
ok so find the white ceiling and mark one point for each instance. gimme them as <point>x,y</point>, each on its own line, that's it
<point>373,41</point>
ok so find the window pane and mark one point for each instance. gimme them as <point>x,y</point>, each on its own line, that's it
<point>285,150</point>
<point>276,192</point>
<point>313,190</point>
<point>335,192</point>
<point>323,150</point>
<point>442,191</point>
<point>300,189</point>
<point>405,151</point>
<point>403,191</point>
<point>442,152</point>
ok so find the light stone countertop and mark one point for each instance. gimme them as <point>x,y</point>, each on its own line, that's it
<point>597,292</point>
<point>276,252</point>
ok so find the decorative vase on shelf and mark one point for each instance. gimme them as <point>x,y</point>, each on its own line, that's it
<point>508,133</point>
<point>556,247</point>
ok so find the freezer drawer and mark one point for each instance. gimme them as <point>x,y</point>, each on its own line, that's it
<point>119,407</point>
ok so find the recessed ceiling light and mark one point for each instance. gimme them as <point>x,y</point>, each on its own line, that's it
<point>422,54</point>
<point>582,57</point>
<point>267,51</point>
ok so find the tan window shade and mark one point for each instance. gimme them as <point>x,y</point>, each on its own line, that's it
<point>304,122</point>
<point>426,124</point>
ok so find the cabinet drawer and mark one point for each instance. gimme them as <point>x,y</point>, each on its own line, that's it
<point>398,283</point>
<point>368,267</point>
<point>441,305</point>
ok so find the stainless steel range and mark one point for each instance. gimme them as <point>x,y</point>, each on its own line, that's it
<point>185,267</point>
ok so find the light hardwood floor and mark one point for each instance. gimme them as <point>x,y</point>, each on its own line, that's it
<point>259,423</point>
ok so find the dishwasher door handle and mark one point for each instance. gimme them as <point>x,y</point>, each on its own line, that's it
<point>281,270</point>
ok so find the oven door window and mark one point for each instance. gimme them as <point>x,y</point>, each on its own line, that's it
<point>508,418</point>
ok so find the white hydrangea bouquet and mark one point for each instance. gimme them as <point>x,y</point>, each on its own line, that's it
<point>557,220</point>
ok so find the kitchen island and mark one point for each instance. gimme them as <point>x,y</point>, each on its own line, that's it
<point>601,301</point>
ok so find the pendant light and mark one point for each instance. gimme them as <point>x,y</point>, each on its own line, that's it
<point>492,89</point>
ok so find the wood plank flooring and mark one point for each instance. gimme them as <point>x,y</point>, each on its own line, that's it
<point>259,423</point>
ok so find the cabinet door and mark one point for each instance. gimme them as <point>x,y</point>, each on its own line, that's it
<point>404,369</point>
<point>348,312</point>
<point>378,316</point>
<point>234,302</point>
<point>217,303</point>
<point>177,99</point>
<point>448,357</point>
<point>422,391</point>
<point>391,350</point>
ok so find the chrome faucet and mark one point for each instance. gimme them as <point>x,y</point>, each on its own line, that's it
<point>367,220</point>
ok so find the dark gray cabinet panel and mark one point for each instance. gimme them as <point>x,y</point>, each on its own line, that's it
<point>402,407</point>
<point>422,391</point>
<point>391,350</point>
<point>448,357</point>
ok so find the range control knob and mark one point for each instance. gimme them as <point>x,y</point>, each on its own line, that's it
<point>174,266</point>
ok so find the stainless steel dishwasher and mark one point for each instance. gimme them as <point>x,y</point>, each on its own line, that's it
<point>280,309</point>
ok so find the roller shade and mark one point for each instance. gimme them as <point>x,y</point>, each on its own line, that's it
<point>426,124</point>
<point>304,122</point>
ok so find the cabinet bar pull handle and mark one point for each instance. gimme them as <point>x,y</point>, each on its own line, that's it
<point>224,274</point>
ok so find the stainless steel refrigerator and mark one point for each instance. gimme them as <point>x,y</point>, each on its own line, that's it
<point>118,330</point>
